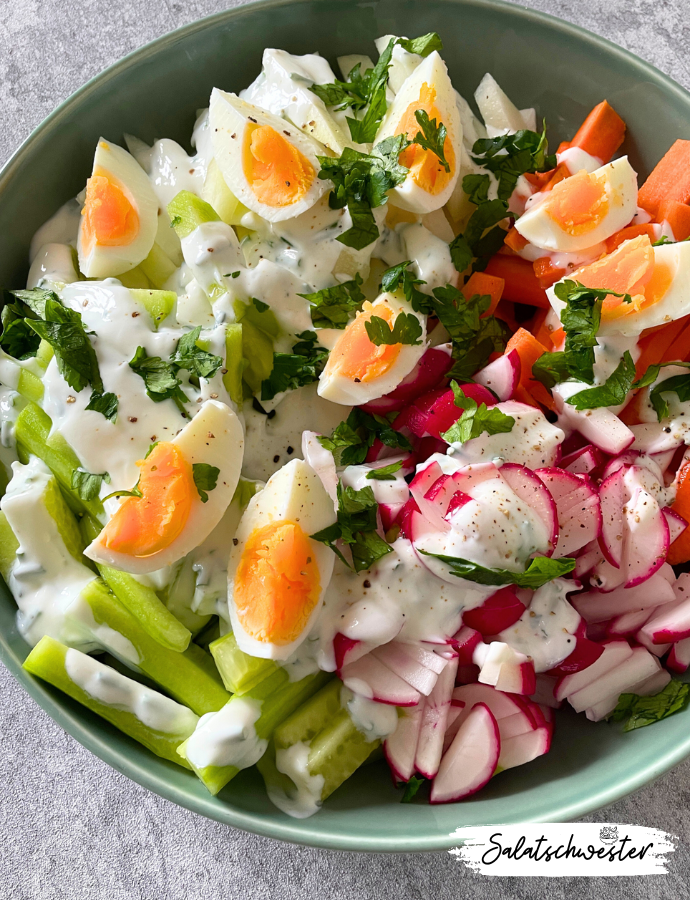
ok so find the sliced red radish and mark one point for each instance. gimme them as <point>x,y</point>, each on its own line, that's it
<point>585,654</point>
<point>526,485</point>
<point>502,376</point>
<point>676,523</point>
<point>395,656</point>
<point>391,514</point>
<point>598,606</point>
<point>679,658</point>
<point>577,504</point>
<point>654,437</point>
<point>657,650</point>
<point>629,623</point>
<point>647,538</point>
<point>640,665</point>
<point>511,726</point>
<point>321,461</point>
<point>401,746</point>
<point>505,668</point>
<point>587,559</point>
<point>612,496</point>
<point>523,748</point>
<point>670,623</point>
<point>615,653</point>
<point>471,759</point>
<point>496,613</point>
<point>651,685</point>
<point>499,703</point>
<point>347,650</point>
<point>371,679</point>
<point>545,693</point>
<point>425,376</point>
<point>426,657</point>
<point>600,426</point>
<point>434,722</point>
<point>465,642</point>
<point>583,461</point>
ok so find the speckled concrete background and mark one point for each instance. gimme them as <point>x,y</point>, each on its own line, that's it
<point>71,828</point>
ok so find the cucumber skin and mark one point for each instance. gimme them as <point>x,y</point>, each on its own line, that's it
<point>47,661</point>
<point>240,671</point>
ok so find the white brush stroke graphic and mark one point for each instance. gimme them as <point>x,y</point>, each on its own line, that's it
<point>557,850</point>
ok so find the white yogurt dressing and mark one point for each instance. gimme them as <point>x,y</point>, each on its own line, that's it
<point>385,491</point>
<point>61,228</point>
<point>305,799</point>
<point>227,737</point>
<point>374,720</point>
<point>53,265</point>
<point>10,406</point>
<point>107,686</point>
<point>171,170</point>
<point>545,631</point>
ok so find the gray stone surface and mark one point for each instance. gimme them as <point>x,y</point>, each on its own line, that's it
<point>71,828</point>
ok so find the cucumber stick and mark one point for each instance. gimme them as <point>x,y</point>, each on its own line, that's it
<point>240,671</point>
<point>142,601</point>
<point>120,698</point>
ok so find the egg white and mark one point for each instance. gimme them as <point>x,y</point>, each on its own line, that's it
<point>339,389</point>
<point>294,493</point>
<point>540,229</point>
<point>229,117</point>
<point>432,71</point>
<point>214,436</point>
<point>122,169</point>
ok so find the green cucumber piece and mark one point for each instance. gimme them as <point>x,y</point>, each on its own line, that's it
<point>187,212</point>
<point>135,279</point>
<point>240,671</point>
<point>47,661</point>
<point>178,597</point>
<point>307,721</point>
<point>234,362</point>
<point>30,386</point>
<point>158,304</point>
<point>338,751</point>
<point>158,267</point>
<point>216,192</point>
<point>8,547</point>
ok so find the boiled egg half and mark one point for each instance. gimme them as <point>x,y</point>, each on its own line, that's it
<point>172,517</point>
<point>278,574</point>
<point>656,278</point>
<point>358,370</point>
<point>428,185</point>
<point>582,210</point>
<point>268,164</point>
<point>120,214</point>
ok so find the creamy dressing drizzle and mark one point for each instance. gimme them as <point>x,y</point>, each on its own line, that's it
<point>374,720</point>
<point>227,737</point>
<point>107,686</point>
<point>305,799</point>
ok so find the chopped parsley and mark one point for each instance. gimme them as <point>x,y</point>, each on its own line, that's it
<point>293,370</point>
<point>196,361</point>
<point>352,439</point>
<point>411,788</point>
<point>614,390</point>
<point>87,485</point>
<point>333,306</point>
<point>385,473</point>
<point>641,711</point>
<point>476,419</point>
<point>205,479</point>
<point>406,329</point>
<point>160,378</point>
<point>106,404</point>
<point>432,136</point>
<point>539,572</point>
<point>356,527</point>
<point>399,278</point>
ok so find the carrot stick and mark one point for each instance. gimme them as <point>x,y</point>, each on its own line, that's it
<point>483,284</point>
<point>539,328</point>
<point>679,551</point>
<point>547,273</point>
<point>678,217</point>
<point>529,350</point>
<point>627,233</point>
<point>560,173</point>
<point>506,311</point>
<point>670,179</point>
<point>521,284</point>
<point>602,132</point>
<point>680,348</point>
<point>654,346</point>
<point>515,240</point>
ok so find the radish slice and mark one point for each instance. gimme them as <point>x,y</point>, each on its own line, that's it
<point>434,722</point>
<point>612,497</point>
<point>647,538</point>
<point>653,437</point>
<point>597,606</point>
<point>505,668</point>
<point>347,650</point>
<point>400,747</point>
<point>545,693</point>
<point>419,488</point>
<point>322,462</point>
<point>396,658</point>
<point>471,759</point>
<point>583,461</point>
<point>587,559</point>
<point>499,703</point>
<point>638,666</point>
<point>465,642</point>
<point>578,509</point>
<point>585,654</point>
<point>671,622</point>
<point>523,748</point>
<point>679,658</point>
<point>676,523</point>
<point>496,613</point>
<point>657,650</point>
<point>615,653</point>
<point>651,685</point>
<point>371,679</point>
<point>629,623</point>
<point>599,426</point>
<point>502,376</point>
<point>526,485</point>
<point>425,376</point>
<point>391,514</point>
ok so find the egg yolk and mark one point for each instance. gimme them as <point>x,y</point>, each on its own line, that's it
<point>578,204</point>
<point>426,169</point>
<point>277,172</point>
<point>110,219</point>
<point>355,356</point>
<point>277,583</point>
<point>144,525</point>
<point>630,269</point>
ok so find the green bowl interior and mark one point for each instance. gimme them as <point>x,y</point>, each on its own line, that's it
<point>155,92</point>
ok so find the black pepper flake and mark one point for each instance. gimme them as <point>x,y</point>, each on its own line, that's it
<point>276,458</point>
<point>132,418</point>
<point>367,583</point>
<point>235,541</point>
<point>290,450</point>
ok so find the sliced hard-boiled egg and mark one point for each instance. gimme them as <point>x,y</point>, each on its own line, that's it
<point>120,215</point>
<point>268,164</point>
<point>656,278</point>
<point>178,507</point>
<point>278,574</point>
<point>428,185</point>
<point>582,210</point>
<point>358,370</point>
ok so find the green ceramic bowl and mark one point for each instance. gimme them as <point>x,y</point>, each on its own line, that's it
<point>154,92</point>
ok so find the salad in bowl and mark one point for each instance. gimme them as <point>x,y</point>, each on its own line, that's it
<point>362,430</point>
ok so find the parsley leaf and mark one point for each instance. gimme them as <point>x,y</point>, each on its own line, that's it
<point>476,419</point>
<point>106,404</point>
<point>411,788</point>
<point>641,711</point>
<point>293,370</point>
<point>18,337</point>
<point>135,492</point>
<point>351,440</point>
<point>510,155</point>
<point>423,45</point>
<point>539,572</point>
<point>614,390</point>
<point>363,131</point>
<point>192,358</point>
<point>406,330</point>
<point>160,378</point>
<point>677,384</point>
<point>385,473</point>
<point>87,485</point>
<point>356,527</point>
<point>205,479</point>
<point>400,278</point>
<point>431,137</point>
<point>333,306</point>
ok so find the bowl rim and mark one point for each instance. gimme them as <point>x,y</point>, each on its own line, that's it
<point>291,830</point>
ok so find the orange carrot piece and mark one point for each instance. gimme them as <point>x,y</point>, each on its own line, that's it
<point>521,284</point>
<point>539,179</point>
<point>630,414</point>
<point>670,180</point>
<point>547,273</point>
<point>602,132</point>
<point>564,145</point>
<point>515,240</point>
<point>522,395</point>
<point>560,173</point>
<point>679,551</point>
<point>678,217</point>
<point>680,348</point>
<point>506,311</point>
<point>483,284</point>
<point>558,339</point>
<point>629,232</point>
<point>539,328</point>
<point>654,346</point>
<point>529,350</point>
